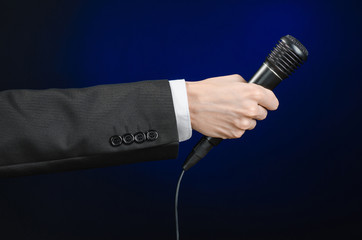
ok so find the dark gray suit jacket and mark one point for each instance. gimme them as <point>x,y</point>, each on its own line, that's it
<point>43,131</point>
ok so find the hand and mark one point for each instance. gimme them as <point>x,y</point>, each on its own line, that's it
<point>224,107</point>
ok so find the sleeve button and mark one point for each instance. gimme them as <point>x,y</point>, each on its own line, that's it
<point>139,137</point>
<point>152,135</point>
<point>128,138</point>
<point>115,140</point>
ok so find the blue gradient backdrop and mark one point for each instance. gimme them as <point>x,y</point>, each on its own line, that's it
<point>298,175</point>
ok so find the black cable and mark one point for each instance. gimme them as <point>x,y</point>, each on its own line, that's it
<point>176,203</point>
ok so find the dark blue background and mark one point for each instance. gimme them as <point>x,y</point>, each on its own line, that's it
<point>298,175</point>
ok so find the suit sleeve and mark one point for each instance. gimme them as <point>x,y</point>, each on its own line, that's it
<point>44,131</point>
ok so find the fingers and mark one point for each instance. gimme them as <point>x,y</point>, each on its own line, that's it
<point>254,111</point>
<point>227,106</point>
<point>245,124</point>
<point>262,113</point>
<point>265,97</point>
<point>252,124</point>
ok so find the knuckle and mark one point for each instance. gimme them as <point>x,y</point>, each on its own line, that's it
<point>252,111</point>
<point>238,77</point>
<point>236,122</point>
<point>275,101</point>
<point>258,94</point>
<point>276,104</point>
<point>237,133</point>
<point>244,123</point>
<point>265,114</point>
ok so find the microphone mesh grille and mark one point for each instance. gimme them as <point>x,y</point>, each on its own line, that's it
<point>284,57</point>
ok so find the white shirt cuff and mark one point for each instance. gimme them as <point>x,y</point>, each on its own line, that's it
<point>181,106</point>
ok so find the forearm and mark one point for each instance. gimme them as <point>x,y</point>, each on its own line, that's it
<point>62,129</point>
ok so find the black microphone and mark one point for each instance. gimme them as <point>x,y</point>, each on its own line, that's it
<point>285,58</point>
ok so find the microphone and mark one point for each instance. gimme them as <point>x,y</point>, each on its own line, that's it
<point>283,60</point>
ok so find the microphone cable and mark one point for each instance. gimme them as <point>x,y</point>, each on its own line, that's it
<point>176,204</point>
<point>284,59</point>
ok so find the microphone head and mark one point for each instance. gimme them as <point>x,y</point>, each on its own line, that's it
<point>286,56</point>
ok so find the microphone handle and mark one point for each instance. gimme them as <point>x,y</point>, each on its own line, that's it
<point>263,77</point>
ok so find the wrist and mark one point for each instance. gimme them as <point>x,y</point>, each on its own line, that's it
<point>192,99</point>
